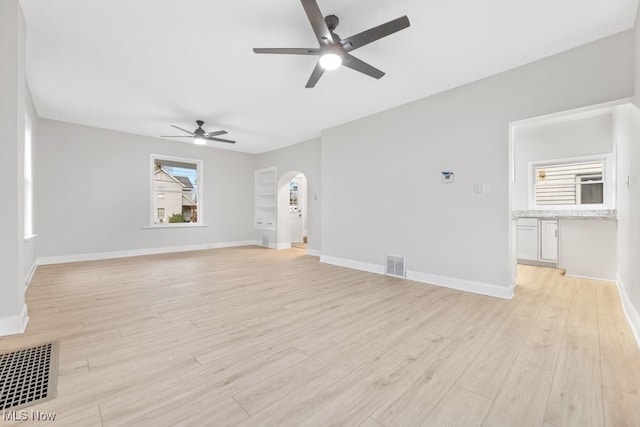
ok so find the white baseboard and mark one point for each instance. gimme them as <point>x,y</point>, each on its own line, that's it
<point>314,252</point>
<point>259,243</point>
<point>599,279</point>
<point>284,246</point>
<point>356,265</point>
<point>138,252</point>
<point>481,288</point>
<point>32,271</point>
<point>13,325</point>
<point>630,312</point>
<point>430,279</point>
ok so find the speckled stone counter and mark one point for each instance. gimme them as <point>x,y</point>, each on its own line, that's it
<point>567,214</point>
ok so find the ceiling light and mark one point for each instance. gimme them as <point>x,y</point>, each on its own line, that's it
<point>330,61</point>
<point>199,140</point>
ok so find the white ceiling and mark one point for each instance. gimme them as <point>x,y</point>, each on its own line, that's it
<point>139,65</point>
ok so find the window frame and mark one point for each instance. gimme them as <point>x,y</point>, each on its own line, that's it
<point>28,190</point>
<point>608,182</point>
<point>152,212</point>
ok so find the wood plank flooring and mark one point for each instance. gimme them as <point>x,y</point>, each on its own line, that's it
<point>256,337</point>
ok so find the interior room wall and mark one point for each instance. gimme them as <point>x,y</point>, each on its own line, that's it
<point>576,138</point>
<point>93,194</point>
<point>627,131</point>
<point>381,175</point>
<point>304,157</point>
<point>13,256</point>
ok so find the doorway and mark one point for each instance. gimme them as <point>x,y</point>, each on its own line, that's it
<point>292,210</point>
<point>296,212</point>
<point>562,185</point>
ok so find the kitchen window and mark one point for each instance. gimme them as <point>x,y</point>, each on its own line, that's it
<point>571,185</point>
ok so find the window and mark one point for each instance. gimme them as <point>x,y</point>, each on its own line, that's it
<point>574,184</point>
<point>28,179</point>
<point>176,190</point>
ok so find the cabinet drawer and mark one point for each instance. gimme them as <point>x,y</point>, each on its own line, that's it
<point>528,222</point>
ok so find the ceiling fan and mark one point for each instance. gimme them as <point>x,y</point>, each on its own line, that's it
<point>333,50</point>
<point>199,136</point>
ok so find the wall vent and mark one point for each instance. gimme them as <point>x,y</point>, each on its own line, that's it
<point>395,266</point>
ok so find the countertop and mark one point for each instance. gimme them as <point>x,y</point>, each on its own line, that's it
<point>566,214</point>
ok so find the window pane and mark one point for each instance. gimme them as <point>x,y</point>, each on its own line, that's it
<point>28,180</point>
<point>175,191</point>
<point>591,194</point>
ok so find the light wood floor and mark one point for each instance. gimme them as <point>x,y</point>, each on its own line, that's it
<point>251,336</point>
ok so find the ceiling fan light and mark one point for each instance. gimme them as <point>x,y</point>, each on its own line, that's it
<point>199,140</point>
<point>330,61</point>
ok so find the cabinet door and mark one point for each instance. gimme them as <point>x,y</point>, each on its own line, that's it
<point>528,243</point>
<point>548,240</point>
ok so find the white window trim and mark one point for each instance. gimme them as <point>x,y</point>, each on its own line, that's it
<point>608,180</point>
<point>28,189</point>
<point>152,215</point>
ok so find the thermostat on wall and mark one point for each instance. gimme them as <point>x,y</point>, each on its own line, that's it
<point>447,177</point>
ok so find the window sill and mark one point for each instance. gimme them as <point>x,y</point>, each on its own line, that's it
<point>183,225</point>
<point>30,237</point>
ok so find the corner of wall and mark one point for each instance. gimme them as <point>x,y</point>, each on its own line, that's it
<point>630,312</point>
<point>14,325</point>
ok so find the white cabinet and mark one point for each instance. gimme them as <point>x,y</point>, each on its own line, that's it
<point>265,198</point>
<point>549,240</point>
<point>528,239</point>
<point>537,241</point>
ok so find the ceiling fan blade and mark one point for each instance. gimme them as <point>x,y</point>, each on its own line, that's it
<point>210,138</point>
<point>354,63</point>
<point>216,133</point>
<point>176,136</point>
<point>288,51</point>
<point>315,76</point>
<point>183,130</point>
<point>375,33</point>
<point>316,19</point>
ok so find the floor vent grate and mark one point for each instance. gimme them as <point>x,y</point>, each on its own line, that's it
<point>394,266</point>
<point>28,376</point>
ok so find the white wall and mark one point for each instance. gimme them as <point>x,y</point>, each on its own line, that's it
<point>93,193</point>
<point>583,137</point>
<point>304,157</point>
<point>381,185</point>
<point>627,133</point>
<point>13,313</point>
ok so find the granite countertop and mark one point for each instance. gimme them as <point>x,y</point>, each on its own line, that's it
<point>566,214</point>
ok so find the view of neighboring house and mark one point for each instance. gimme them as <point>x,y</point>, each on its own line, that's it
<point>173,195</point>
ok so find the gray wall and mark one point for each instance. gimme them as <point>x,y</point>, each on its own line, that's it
<point>584,137</point>
<point>12,107</point>
<point>381,184</point>
<point>93,192</point>
<point>305,158</point>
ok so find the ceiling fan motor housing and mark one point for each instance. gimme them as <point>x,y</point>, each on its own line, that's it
<point>332,22</point>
